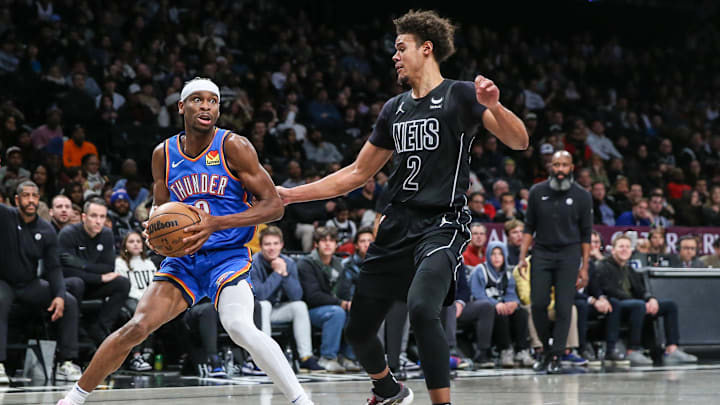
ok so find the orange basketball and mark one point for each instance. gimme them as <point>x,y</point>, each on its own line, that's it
<point>166,228</point>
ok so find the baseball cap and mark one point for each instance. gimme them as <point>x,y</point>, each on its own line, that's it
<point>118,194</point>
<point>12,149</point>
<point>546,149</point>
<point>134,88</point>
<point>530,116</point>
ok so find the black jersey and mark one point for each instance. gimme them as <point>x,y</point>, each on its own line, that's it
<point>431,137</point>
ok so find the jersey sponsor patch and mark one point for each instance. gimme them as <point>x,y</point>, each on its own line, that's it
<point>212,158</point>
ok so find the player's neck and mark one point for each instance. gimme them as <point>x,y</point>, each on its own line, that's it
<point>195,142</point>
<point>426,81</point>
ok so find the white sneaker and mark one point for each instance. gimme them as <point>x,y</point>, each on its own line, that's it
<point>524,358</point>
<point>68,371</point>
<point>506,358</point>
<point>3,376</point>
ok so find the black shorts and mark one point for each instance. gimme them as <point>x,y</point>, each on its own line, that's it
<point>405,237</point>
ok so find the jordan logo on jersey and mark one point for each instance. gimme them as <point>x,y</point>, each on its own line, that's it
<point>199,183</point>
<point>212,158</point>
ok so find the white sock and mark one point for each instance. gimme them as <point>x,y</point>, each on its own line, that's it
<point>236,315</point>
<point>76,395</point>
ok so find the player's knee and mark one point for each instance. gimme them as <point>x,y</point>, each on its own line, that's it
<point>135,331</point>
<point>241,332</point>
<point>420,310</point>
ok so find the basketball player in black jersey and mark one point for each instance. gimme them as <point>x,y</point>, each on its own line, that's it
<point>423,230</point>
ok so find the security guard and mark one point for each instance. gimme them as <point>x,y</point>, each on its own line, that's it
<point>559,219</point>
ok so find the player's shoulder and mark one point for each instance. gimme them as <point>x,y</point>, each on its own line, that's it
<point>235,140</point>
<point>539,186</point>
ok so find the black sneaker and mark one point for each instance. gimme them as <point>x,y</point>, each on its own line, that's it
<point>138,363</point>
<point>542,363</point>
<point>555,365</point>
<point>310,365</point>
<point>404,397</point>
<point>482,360</point>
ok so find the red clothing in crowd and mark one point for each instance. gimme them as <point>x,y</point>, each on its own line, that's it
<point>473,255</point>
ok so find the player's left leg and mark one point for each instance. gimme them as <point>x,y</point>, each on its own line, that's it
<point>235,307</point>
<point>425,301</point>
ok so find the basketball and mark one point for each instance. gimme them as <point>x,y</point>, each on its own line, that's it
<point>166,228</point>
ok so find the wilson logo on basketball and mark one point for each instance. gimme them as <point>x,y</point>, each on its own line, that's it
<point>212,158</point>
<point>156,226</point>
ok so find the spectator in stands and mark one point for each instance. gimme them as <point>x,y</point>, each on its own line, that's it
<point>639,216</point>
<point>351,265</point>
<point>689,209</point>
<point>603,213</point>
<point>508,209</point>
<point>77,102</point>
<point>109,88</point>
<point>319,151</point>
<point>510,175</point>
<point>677,185</point>
<point>201,321</point>
<point>584,179</point>
<point>323,114</point>
<point>277,286</point>
<point>479,209</point>
<point>665,153</point>
<point>87,251</point>
<point>133,263</point>
<point>52,128</point>
<point>75,192</point>
<point>295,177</point>
<point>656,205</point>
<point>712,260</point>
<point>514,233</point>
<point>13,172</point>
<point>27,240</point>
<point>366,197</point>
<point>687,253</point>
<point>76,147</point>
<point>500,187</point>
<point>60,212</point>
<point>346,229</point>
<point>95,181</point>
<point>618,196</point>
<point>492,283</point>
<point>319,274</point>
<point>45,185</point>
<point>626,290</point>
<point>711,210</point>
<point>123,220</point>
<point>136,191</point>
<point>474,254</point>
<point>600,144</point>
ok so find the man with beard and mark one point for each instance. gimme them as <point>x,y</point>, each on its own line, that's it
<point>123,220</point>
<point>26,240</point>
<point>61,212</point>
<point>559,219</point>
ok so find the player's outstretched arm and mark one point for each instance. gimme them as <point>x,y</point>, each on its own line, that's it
<point>369,161</point>
<point>502,122</point>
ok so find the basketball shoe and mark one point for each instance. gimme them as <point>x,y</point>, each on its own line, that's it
<point>404,397</point>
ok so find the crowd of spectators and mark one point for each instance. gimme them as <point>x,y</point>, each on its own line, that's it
<point>88,88</point>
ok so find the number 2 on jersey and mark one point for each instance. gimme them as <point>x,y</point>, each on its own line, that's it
<point>413,164</point>
<point>202,205</point>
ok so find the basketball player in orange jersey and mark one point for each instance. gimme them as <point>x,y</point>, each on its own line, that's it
<point>217,173</point>
<point>423,231</point>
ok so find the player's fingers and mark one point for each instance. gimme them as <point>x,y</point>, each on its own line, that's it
<point>479,78</point>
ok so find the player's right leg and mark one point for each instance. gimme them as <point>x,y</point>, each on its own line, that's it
<point>161,303</point>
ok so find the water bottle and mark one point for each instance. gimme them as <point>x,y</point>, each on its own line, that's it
<point>229,362</point>
<point>158,362</point>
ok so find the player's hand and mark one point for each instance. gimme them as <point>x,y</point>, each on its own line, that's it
<point>582,280</point>
<point>207,226</point>
<point>146,237</point>
<point>523,268</point>
<point>284,194</point>
<point>57,307</point>
<point>486,92</point>
<point>108,277</point>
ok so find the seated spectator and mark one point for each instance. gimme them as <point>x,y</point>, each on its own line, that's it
<point>603,213</point>
<point>319,151</point>
<point>202,325</point>
<point>500,187</point>
<point>75,192</point>
<point>277,286</point>
<point>687,254</point>
<point>136,191</point>
<point>60,212</point>
<point>474,254</point>
<point>493,288</point>
<point>26,241</point>
<point>510,175</point>
<point>95,181</point>
<point>514,233</point>
<point>76,147</point>
<point>295,177</point>
<point>13,172</point>
<point>133,263</point>
<point>319,274</point>
<point>600,144</point>
<point>123,220</point>
<point>480,211</point>
<point>658,243</point>
<point>351,265</point>
<point>689,210</point>
<point>87,251</point>
<point>508,209</point>
<point>346,229</point>
<point>712,260</point>
<point>366,197</point>
<point>656,205</point>
<point>626,290</point>
<point>42,135</point>
<point>569,358</point>
<point>639,216</point>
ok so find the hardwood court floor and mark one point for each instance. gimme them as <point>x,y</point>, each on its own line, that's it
<point>670,385</point>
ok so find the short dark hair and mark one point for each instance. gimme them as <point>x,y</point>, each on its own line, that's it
<point>364,229</point>
<point>271,230</point>
<point>93,200</point>
<point>323,232</point>
<point>428,26</point>
<point>688,237</point>
<point>503,195</point>
<point>475,193</point>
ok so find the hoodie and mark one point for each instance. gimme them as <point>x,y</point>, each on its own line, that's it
<point>490,284</point>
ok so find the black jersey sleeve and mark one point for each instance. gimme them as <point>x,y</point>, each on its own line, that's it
<point>530,214</point>
<point>381,136</point>
<point>473,111</point>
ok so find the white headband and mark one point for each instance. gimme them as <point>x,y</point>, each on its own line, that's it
<point>199,85</point>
